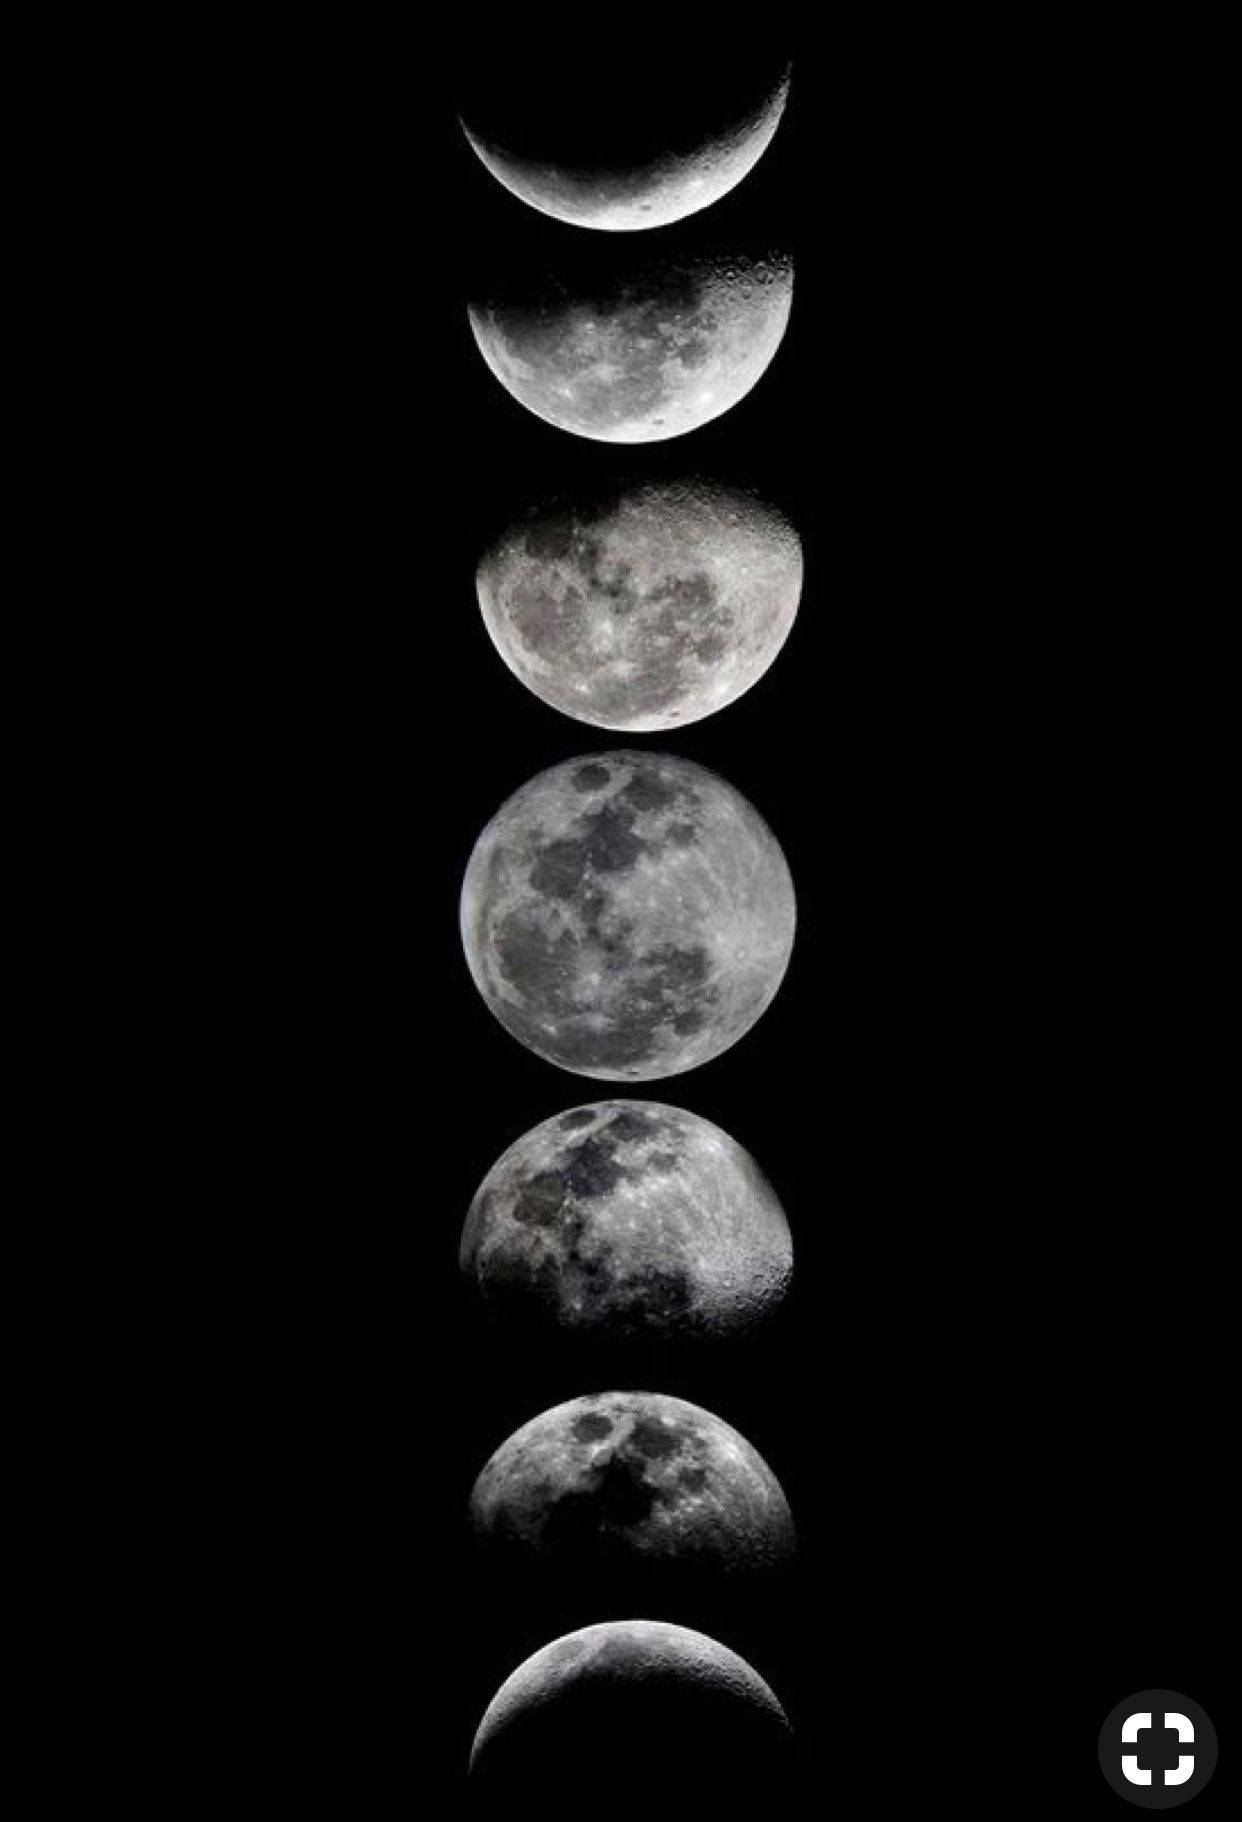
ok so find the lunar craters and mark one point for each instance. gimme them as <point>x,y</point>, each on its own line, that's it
<point>634,346</point>
<point>619,1478</point>
<point>627,915</point>
<point>647,608</point>
<point>627,1218</point>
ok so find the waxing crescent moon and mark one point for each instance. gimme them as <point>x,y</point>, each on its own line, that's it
<point>640,1709</point>
<point>624,1219</point>
<point>627,915</point>
<point>645,607</point>
<point>655,185</point>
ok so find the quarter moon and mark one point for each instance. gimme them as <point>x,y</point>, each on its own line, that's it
<point>648,607</point>
<point>628,1218</point>
<point>657,1711</point>
<point>619,1479</point>
<point>642,185</point>
<point>627,915</point>
<point>635,347</point>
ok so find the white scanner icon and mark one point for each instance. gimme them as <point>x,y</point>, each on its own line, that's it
<point>1174,1723</point>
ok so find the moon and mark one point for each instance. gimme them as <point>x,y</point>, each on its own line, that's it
<point>627,915</point>
<point>634,347</point>
<point>594,173</point>
<point>628,1218</point>
<point>645,608</point>
<point>641,1710</point>
<point>620,1478</point>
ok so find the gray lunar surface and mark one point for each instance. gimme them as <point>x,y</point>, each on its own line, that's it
<point>646,609</point>
<point>627,915</point>
<point>638,1476</point>
<point>624,1218</point>
<point>652,350</point>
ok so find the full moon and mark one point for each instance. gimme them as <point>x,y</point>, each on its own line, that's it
<point>620,1478</point>
<point>653,1713</point>
<point>627,915</point>
<point>628,1218</point>
<point>635,346</point>
<point>643,162</point>
<point>647,608</point>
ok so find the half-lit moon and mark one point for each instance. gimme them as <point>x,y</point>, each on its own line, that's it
<point>619,1479</point>
<point>635,344</point>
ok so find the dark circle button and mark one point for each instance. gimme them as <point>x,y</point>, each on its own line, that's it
<point>1158,1749</point>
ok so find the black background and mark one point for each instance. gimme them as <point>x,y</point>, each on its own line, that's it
<point>988,1412</point>
<point>986,1092</point>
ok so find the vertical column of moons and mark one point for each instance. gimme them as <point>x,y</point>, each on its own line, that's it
<point>628,915</point>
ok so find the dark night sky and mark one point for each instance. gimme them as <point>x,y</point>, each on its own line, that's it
<point>963,1101</point>
<point>977,1092</point>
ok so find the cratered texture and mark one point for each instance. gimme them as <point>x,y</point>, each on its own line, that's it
<point>627,915</point>
<point>646,608</point>
<point>661,140</point>
<point>620,1478</point>
<point>635,344</point>
<point>639,1711</point>
<point>628,1218</point>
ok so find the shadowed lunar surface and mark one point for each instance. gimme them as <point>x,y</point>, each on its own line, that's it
<point>628,1218</point>
<point>621,1477</point>
<point>638,168</point>
<point>627,915</point>
<point>638,1711</point>
<point>647,608</point>
<point>639,344</point>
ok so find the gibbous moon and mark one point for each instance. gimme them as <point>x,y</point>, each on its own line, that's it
<point>628,1218</point>
<point>647,608</point>
<point>640,1712</point>
<point>620,1478</point>
<point>605,179</point>
<point>638,344</point>
<point>627,915</point>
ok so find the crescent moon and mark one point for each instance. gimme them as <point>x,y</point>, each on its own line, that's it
<point>653,1710</point>
<point>642,193</point>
